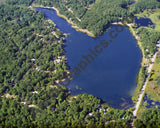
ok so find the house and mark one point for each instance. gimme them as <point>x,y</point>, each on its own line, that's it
<point>37,69</point>
<point>90,114</point>
<point>59,57</point>
<point>35,92</point>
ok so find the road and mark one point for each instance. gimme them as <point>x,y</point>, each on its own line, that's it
<point>140,99</point>
<point>145,83</point>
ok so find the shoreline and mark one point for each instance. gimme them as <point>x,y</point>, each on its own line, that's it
<point>69,21</point>
<point>134,34</point>
<point>143,60</point>
<point>89,34</point>
<point>140,90</point>
<point>142,93</point>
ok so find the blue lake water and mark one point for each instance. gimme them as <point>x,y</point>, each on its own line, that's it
<point>143,21</point>
<point>111,76</point>
<point>151,103</point>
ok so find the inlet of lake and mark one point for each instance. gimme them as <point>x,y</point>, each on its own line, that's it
<point>112,75</point>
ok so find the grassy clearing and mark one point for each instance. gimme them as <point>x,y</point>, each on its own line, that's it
<point>153,88</point>
<point>156,20</point>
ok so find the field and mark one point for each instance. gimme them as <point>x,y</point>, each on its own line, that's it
<point>153,88</point>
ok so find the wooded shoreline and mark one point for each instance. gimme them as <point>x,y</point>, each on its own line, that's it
<point>69,21</point>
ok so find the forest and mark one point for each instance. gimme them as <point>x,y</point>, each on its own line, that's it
<point>94,15</point>
<point>142,5</point>
<point>97,16</point>
<point>149,119</point>
<point>149,39</point>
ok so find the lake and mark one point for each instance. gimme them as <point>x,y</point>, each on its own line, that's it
<point>111,75</point>
<point>143,21</point>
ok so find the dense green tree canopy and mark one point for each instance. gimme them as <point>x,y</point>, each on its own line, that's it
<point>149,39</point>
<point>149,119</point>
<point>96,16</point>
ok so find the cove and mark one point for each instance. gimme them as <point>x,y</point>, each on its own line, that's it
<point>111,76</point>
